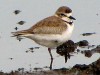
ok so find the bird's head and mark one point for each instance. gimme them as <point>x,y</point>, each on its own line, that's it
<point>65,13</point>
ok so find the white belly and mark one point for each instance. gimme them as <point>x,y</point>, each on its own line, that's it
<point>52,40</point>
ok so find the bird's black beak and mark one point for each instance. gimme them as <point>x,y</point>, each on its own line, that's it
<point>71,17</point>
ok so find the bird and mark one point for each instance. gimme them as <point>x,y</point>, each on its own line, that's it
<point>51,31</point>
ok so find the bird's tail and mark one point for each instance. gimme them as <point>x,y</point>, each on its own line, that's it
<point>20,33</point>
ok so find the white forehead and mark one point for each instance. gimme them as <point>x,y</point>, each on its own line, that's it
<point>69,14</point>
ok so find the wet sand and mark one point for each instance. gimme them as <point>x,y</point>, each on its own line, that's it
<point>65,50</point>
<point>78,69</point>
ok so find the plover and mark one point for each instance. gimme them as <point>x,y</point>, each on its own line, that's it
<point>51,31</point>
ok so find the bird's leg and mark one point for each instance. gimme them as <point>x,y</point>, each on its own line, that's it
<point>51,58</point>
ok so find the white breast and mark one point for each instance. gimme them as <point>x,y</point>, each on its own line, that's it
<point>67,34</point>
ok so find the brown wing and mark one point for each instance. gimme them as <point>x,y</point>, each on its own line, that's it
<point>50,25</point>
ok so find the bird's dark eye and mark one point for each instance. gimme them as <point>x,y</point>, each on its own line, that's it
<point>62,14</point>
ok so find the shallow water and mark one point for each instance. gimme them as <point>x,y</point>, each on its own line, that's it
<point>31,12</point>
